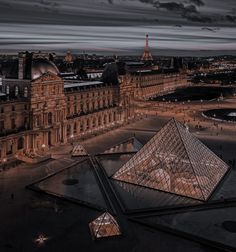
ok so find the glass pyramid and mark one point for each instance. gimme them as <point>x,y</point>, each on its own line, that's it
<point>175,161</point>
<point>130,145</point>
<point>104,226</point>
<point>79,151</point>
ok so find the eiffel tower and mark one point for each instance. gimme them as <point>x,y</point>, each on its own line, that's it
<point>147,56</point>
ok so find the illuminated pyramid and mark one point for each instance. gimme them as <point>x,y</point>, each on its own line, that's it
<point>175,161</point>
<point>79,151</point>
<point>104,226</point>
<point>130,145</point>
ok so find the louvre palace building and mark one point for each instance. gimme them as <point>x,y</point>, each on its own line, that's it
<point>41,107</point>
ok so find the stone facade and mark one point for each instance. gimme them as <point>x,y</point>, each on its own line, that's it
<point>49,114</point>
<point>46,112</point>
<point>148,84</point>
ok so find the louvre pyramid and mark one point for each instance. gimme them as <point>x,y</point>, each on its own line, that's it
<point>130,145</point>
<point>175,161</point>
<point>104,226</point>
<point>79,151</point>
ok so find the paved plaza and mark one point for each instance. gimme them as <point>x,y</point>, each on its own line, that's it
<point>47,209</point>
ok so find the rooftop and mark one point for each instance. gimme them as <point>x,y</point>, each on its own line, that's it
<point>82,84</point>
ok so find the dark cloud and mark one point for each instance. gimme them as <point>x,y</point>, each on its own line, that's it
<point>197,17</point>
<point>197,2</point>
<point>230,18</point>
<point>176,7</point>
<point>210,29</point>
<point>187,11</point>
<point>117,25</point>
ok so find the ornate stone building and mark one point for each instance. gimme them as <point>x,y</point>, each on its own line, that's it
<point>39,109</point>
<point>145,84</point>
<point>44,110</point>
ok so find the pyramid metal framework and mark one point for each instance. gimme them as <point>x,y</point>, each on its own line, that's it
<point>175,161</point>
<point>104,226</point>
<point>130,145</point>
<point>79,151</point>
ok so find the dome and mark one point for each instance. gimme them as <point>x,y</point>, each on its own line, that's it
<point>41,66</point>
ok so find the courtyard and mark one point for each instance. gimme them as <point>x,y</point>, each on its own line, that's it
<point>61,196</point>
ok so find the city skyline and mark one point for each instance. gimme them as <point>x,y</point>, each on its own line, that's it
<point>117,125</point>
<point>192,27</point>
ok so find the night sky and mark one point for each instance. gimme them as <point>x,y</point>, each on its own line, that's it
<point>183,27</point>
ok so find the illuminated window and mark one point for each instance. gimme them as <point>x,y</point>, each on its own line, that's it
<point>25,92</point>
<point>7,90</point>
<point>16,90</point>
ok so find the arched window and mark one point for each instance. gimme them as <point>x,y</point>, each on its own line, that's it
<point>50,118</point>
<point>75,128</point>
<point>105,119</point>
<point>93,122</point>
<point>25,92</point>
<point>68,130</point>
<point>99,121</point>
<point>20,143</point>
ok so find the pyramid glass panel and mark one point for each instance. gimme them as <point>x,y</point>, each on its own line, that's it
<point>175,161</point>
<point>104,226</point>
<point>79,151</point>
<point>130,145</point>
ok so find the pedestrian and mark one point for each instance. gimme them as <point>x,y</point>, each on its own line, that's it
<point>12,196</point>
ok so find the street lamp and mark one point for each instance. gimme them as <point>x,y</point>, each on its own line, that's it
<point>4,160</point>
<point>43,147</point>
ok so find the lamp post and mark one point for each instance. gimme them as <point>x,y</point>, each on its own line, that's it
<point>43,147</point>
<point>4,162</point>
<point>218,100</point>
<point>163,99</point>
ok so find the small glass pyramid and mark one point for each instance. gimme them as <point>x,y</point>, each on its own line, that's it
<point>79,151</point>
<point>104,226</point>
<point>130,145</point>
<point>175,161</point>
